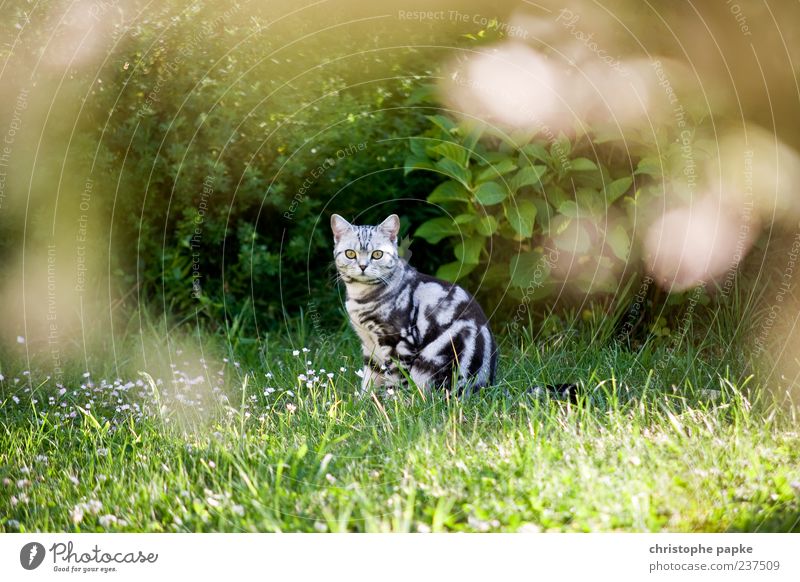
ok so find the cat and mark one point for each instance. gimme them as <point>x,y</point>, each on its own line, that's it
<point>411,325</point>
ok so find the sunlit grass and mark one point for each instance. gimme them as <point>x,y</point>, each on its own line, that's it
<point>281,441</point>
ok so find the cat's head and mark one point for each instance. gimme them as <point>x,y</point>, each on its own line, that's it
<point>365,254</point>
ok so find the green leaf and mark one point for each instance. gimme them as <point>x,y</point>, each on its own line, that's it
<point>574,239</point>
<point>490,193</point>
<point>528,176</point>
<point>561,147</point>
<point>617,188</point>
<point>496,170</point>
<point>452,151</point>
<point>450,191</point>
<point>536,151</point>
<point>474,134</point>
<point>417,163</point>
<point>589,202</point>
<point>582,165</point>
<point>620,242</point>
<point>469,250</point>
<point>487,225</point>
<point>543,213</point>
<point>436,229</point>
<point>446,124</point>
<point>464,218</point>
<point>528,269</point>
<point>450,168</point>
<point>650,166</point>
<point>417,146</point>
<point>521,216</point>
<point>454,271</point>
<point>568,208</point>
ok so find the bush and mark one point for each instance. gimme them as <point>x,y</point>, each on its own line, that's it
<point>529,216</point>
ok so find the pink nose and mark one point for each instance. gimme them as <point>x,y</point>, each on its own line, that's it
<point>363,267</point>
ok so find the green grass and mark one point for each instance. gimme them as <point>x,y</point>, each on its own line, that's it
<point>665,438</point>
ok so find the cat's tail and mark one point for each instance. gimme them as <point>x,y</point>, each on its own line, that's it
<point>563,392</point>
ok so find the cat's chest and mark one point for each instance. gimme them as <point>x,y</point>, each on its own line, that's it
<point>377,325</point>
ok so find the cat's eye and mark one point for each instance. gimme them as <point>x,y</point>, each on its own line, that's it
<point>377,254</point>
<point>350,254</point>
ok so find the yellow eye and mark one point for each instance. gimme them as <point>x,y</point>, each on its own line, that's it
<point>350,254</point>
<point>377,254</point>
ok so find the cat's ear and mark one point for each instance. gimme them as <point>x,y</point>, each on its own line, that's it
<point>339,226</point>
<point>390,227</point>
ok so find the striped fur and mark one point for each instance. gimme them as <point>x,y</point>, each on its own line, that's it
<point>410,324</point>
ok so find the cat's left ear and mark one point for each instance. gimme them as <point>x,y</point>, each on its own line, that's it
<point>390,227</point>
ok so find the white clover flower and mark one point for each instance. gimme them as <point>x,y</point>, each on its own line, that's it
<point>306,350</point>
<point>107,520</point>
<point>76,514</point>
<point>295,352</point>
<point>291,407</point>
<point>268,375</point>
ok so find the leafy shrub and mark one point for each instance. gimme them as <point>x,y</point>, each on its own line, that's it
<point>528,216</point>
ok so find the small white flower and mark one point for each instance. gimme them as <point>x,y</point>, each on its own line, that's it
<point>74,479</point>
<point>306,350</point>
<point>308,362</point>
<point>342,369</point>
<point>107,520</point>
<point>291,407</point>
<point>238,510</point>
<point>102,452</point>
<point>268,375</point>
<point>86,374</point>
<point>295,352</point>
<point>360,373</point>
<point>15,399</point>
<point>212,465</point>
<point>330,375</point>
<point>76,515</point>
<point>20,339</point>
<point>330,478</point>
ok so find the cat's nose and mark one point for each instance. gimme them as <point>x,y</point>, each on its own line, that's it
<point>363,267</point>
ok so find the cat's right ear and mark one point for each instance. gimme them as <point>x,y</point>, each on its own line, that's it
<point>339,226</point>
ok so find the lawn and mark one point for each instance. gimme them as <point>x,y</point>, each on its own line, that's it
<point>275,437</point>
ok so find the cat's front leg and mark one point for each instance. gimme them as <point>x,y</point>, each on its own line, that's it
<point>370,378</point>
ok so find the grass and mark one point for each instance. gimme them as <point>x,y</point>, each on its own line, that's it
<point>662,439</point>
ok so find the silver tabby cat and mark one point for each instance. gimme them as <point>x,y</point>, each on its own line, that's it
<point>411,325</point>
